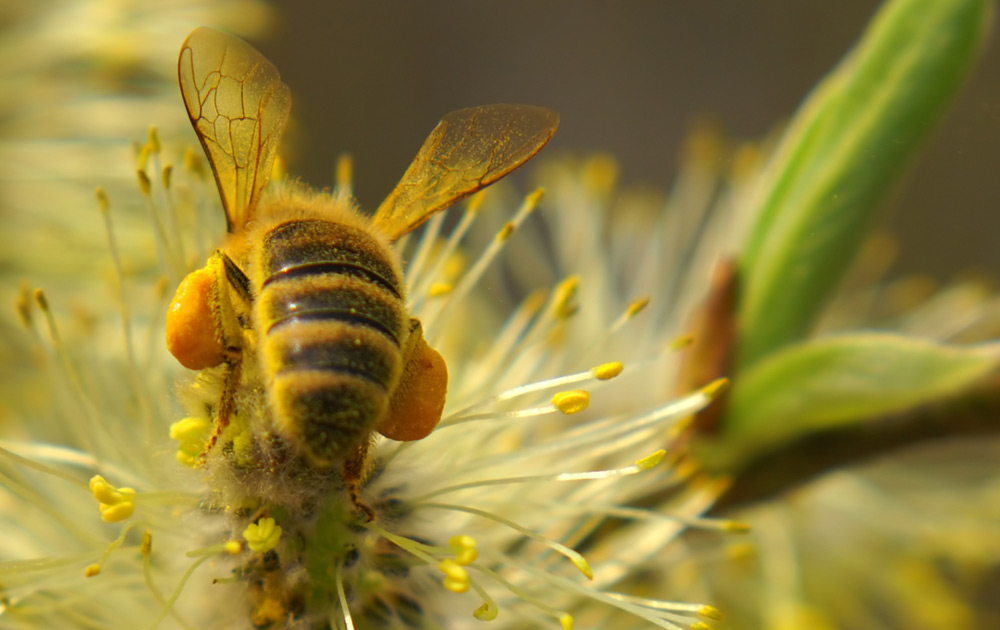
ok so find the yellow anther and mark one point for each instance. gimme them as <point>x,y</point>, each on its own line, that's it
<point>710,611</point>
<point>166,174</point>
<point>476,201</point>
<point>92,570</point>
<point>189,429</point>
<point>262,535</point>
<point>681,342</point>
<point>117,512</point>
<point>456,578</point>
<point>153,139</point>
<point>505,231</point>
<point>268,612</point>
<point>566,621</point>
<point>581,563</point>
<point>455,586</point>
<point>233,547</point>
<point>464,548</point>
<point>146,547</point>
<point>534,197</point>
<point>41,300</point>
<point>102,200</point>
<point>23,306</point>
<point>636,307</point>
<point>737,527</point>
<point>716,387</point>
<point>607,371</point>
<point>243,448</point>
<point>453,570</point>
<point>570,402</point>
<point>438,289</point>
<point>466,556</point>
<point>563,297</point>
<point>600,173</point>
<point>746,161</point>
<point>193,162</point>
<point>700,625</point>
<point>107,494</point>
<point>462,540</point>
<point>487,612</point>
<point>279,168</point>
<point>651,460</point>
<point>145,186</point>
<point>344,175</point>
<point>142,158</point>
<point>191,433</point>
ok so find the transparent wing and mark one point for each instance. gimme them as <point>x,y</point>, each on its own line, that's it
<point>468,150</point>
<point>238,106</point>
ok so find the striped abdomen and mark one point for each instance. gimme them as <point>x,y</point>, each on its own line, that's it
<point>331,323</point>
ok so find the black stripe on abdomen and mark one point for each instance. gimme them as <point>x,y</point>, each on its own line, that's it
<point>310,246</point>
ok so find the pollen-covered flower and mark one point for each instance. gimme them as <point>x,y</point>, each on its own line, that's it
<point>524,505</point>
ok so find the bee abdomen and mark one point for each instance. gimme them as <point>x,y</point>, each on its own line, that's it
<point>327,413</point>
<point>332,322</point>
<point>308,247</point>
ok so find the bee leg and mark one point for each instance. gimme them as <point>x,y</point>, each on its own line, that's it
<point>227,406</point>
<point>354,474</point>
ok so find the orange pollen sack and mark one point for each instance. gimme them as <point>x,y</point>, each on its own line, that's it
<point>416,404</point>
<point>193,327</point>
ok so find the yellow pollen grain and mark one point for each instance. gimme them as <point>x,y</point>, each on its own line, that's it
<point>146,547</point>
<point>607,371</point>
<point>232,547</point>
<point>437,289</point>
<point>145,186</point>
<point>92,570</point>
<point>570,402</point>
<point>651,460</point>
<point>566,621</point>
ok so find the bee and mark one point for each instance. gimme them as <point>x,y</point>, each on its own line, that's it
<point>306,294</point>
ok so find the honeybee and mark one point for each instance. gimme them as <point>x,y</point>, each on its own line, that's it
<point>306,294</point>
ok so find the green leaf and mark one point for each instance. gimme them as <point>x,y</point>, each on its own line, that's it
<point>839,380</point>
<point>842,153</point>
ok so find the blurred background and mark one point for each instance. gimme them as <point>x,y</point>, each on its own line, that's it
<point>628,77</point>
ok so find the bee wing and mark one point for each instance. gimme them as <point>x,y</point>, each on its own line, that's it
<point>238,106</point>
<point>468,150</point>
